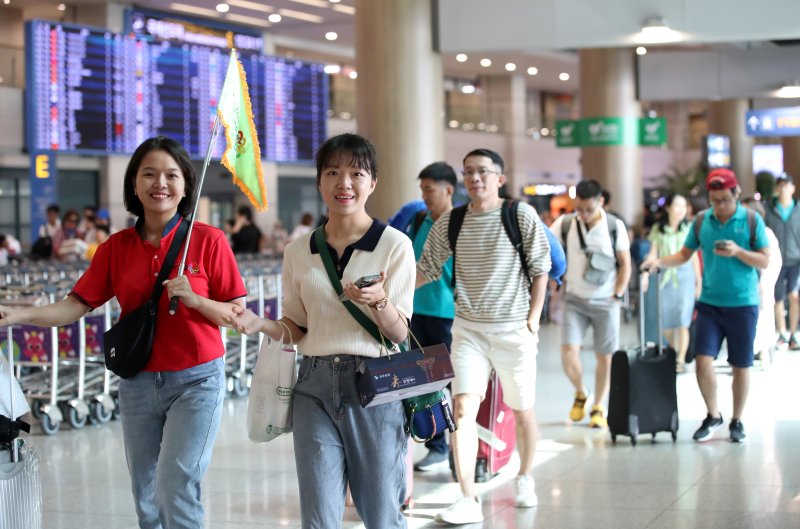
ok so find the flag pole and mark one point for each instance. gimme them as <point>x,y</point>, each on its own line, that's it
<point>173,302</point>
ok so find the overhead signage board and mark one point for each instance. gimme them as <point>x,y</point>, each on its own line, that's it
<point>605,131</point>
<point>773,122</point>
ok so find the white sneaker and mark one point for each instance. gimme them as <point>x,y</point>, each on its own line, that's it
<point>465,510</point>
<point>526,492</point>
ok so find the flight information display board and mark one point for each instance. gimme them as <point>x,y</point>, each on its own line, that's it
<point>94,91</point>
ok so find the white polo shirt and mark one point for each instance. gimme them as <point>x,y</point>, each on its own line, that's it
<point>598,240</point>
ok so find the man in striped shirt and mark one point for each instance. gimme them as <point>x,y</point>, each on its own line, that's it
<point>496,323</point>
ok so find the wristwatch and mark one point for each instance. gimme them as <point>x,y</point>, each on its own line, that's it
<point>380,304</point>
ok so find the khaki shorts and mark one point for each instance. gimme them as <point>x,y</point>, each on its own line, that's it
<point>511,354</point>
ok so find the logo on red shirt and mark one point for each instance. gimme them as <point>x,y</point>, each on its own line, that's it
<point>193,268</point>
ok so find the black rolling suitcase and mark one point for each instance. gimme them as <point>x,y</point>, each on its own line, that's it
<point>643,397</point>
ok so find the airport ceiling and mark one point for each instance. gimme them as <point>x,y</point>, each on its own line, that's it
<point>542,34</point>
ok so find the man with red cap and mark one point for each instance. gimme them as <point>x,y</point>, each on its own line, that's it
<point>734,245</point>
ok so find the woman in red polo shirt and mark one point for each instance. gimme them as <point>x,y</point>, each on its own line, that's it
<point>171,410</point>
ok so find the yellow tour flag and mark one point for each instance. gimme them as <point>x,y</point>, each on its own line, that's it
<point>242,156</point>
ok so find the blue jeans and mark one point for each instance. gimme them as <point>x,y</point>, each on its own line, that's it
<point>336,442</point>
<point>170,421</point>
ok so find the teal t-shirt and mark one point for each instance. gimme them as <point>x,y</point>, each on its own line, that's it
<point>785,212</point>
<point>433,299</point>
<point>727,281</point>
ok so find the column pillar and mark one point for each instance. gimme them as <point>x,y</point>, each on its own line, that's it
<point>608,89</point>
<point>791,157</point>
<point>728,117</point>
<point>505,97</point>
<point>399,95</point>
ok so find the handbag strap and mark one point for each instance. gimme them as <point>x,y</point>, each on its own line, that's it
<point>360,317</point>
<point>169,260</point>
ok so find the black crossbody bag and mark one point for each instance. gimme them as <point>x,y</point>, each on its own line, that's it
<point>128,344</point>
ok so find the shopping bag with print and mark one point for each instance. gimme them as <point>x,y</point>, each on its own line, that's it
<point>269,407</point>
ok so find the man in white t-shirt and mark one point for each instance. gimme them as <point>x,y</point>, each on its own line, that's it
<point>598,270</point>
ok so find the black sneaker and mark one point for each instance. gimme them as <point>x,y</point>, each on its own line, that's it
<point>431,461</point>
<point>707,429</point>
<point>737,431</point>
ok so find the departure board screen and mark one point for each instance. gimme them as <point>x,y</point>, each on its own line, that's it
<point>94,91</point>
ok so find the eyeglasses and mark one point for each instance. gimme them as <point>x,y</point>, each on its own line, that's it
<point>722,201</point>
<point>483,172</point>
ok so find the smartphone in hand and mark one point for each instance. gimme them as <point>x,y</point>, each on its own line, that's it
<point>365,281</point>
<point>720,245</point>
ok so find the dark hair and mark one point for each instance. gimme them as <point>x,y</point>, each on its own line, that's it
<point>178,153</point>
<point>496,158</point>
<point>104,228</point>
<point>360,150</point>
<point>54,208</point>
<point>606,197</point>
<point>71,213</point>
<point>2,239</point>
<point>439,172</point>
<point>663,214</point>
<point>588,189</point>
<point>307,219</point>
<point>246,212</point>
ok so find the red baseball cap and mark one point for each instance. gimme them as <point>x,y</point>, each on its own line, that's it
<point>721,179</point>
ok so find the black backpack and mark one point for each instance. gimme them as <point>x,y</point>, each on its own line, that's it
<point>508,212</point>
<point>42,248</point>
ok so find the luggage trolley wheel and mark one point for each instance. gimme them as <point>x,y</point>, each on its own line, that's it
<point>98,413</point>
<point>674,436</point>
<point>633,440</point>
<point>240,388</point>
<point>75,418</point>
<point>115,413</point>
<point>613,438</point>
<point>49,426</point>
<point>36,409</point>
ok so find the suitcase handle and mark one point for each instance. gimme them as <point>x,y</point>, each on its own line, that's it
<point>659,339</point>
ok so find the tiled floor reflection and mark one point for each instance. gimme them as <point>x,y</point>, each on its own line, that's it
<point>583,481</point>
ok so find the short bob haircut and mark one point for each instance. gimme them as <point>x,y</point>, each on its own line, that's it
<point>439,172</point>
<point>348,149</point>
<point>493,156</point>
<point>178,153</point>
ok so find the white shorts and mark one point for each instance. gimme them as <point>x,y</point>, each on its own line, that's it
<point>512,354</point>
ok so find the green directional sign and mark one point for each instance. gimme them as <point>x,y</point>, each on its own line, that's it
<point>652,131</point>
<point>604,131</point>
<point>568,133</point>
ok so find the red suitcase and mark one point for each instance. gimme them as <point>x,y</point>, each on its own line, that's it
<point>497,434</point>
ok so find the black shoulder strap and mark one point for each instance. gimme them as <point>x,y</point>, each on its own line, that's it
<point>508,212</point>
<point>751,224</point>
<point>698,222</point>
<point>360,317</point>
<point>169,260</point>
<point>416,222</point>
<point>457,215</point>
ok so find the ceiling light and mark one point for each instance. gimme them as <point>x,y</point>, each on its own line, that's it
<point>223,8</point>
<point>468,89</point>
<point>533,70</point>
<point>6,2</point>
<point>331,69</point>
<point>331,35</point>
<point>348,10</point>
<point>510,66</point>
<point>564,76</point>
<point>453,123</point>
<point>656,30</point>
<point>245,19</point>
<point>274,18</point>
<point>353,74</point>
<point>334,1</point>
<point>461,57</point>
<point>641,50</point>
<point>486,63</point>
<point>314,3</point>
<point>253,6</point>
<point>186,8</point>
<point>62,7</point>
<point>789,90</point>
<point>299,15</point>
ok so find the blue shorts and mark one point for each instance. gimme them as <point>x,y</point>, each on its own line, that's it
<point>737,324</point>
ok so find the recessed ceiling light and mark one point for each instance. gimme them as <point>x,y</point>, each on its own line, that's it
<point>641,50</point>
<point>62,7</point>
<point>274,18</point>
<point>486,63</point>
<point>533,70</point>
<point>314,3</point>
<point>564,76</point>
<point>331,69</point>
<point>353,74</point>
<point>6,2</point>
<point>253,6</point>
<point>188,8</point>
<point>656,30</point>
<point>461,57</point>
<point>331,35</point>
<point>510,66</point>
<point>334,1</point>
<point>468,89</point>
<point>789,90</point>
<point>223,8</point>
<point>348,10</point>
<point>300,15</point>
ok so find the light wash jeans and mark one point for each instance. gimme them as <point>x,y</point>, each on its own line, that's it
<point>337,442</point>
<point>170,421</point>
